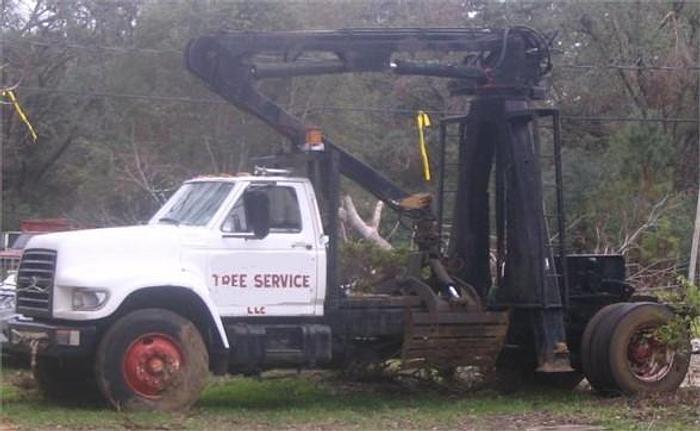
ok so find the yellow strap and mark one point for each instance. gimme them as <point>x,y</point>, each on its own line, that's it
<point>11,95</point>
<point>423,121</point>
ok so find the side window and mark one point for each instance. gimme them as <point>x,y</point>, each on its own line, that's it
<point>285,216</point>
<point>284,209</point>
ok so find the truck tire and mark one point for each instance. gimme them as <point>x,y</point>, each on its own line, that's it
<point>592,358</point>
<point>152,359</point>
<point>624,357</point>
<point>604,383</point>
<point>65,379</point>
<point>639,361</point>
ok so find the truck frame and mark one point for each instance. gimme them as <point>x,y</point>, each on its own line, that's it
<point>153,338</point>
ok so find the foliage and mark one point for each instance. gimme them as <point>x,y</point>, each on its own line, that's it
<point>685,301</point>
<point>633,207</point>
<point>363,265</point>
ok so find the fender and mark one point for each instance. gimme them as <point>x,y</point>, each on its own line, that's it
<point>195,283</point>
<point>192,282</point>
<point>126,285</point>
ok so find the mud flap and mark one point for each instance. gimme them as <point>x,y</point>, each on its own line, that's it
<point>452,339</point>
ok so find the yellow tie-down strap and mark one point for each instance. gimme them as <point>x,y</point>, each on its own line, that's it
<point>423,121</point>
<point>22,115</point>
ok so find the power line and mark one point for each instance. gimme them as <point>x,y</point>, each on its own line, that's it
<point>95,47</point>
<point>132,49</point>
<point>106,94</point>
<point>563,116</point>
<point>628,119</point>
<point>625,67</point>
<point>380,109</point>
<point>375,109</point>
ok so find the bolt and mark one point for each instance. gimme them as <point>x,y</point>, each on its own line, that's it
<point>155,365</point>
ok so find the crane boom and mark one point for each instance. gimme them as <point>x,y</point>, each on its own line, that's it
<point>504,70</point>
<point>232,63</point>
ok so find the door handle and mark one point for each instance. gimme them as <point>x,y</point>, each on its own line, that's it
<point>305,245</point>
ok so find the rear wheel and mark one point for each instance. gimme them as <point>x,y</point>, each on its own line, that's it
<point>153,359</point>
<point>626,356</point>
<point>595,345</point>
<point>641,362</point>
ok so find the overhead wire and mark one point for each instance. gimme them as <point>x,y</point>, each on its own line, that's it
<point>628,119</point>
<point>376,109</point>
<point>626,67</point>
<point>91,47</point>
<point>132,49</point>
<point>120,95</point>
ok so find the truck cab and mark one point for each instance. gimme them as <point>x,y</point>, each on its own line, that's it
<point>251,263</point>
<point>211,237</point>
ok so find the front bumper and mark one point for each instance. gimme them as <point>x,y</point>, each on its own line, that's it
<point>51,339</point>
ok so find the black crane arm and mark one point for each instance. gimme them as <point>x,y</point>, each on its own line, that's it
<point>231,63</point>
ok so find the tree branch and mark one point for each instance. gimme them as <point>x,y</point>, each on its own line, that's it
<point>367,231</point>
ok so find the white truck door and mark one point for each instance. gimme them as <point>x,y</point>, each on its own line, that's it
<point>273,276</point>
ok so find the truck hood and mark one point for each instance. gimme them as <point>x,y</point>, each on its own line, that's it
<point>106,254</point>
<point>118,241</point>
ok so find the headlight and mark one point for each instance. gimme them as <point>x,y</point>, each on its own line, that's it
<point>89,299</point>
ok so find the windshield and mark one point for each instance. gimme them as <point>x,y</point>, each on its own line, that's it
<point>196,203</point>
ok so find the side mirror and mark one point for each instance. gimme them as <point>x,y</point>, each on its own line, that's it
<point>257,208</point>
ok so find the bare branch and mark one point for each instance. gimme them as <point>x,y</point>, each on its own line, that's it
<point>366,231</point>
<point>377,215</point>
<point>656,212</point>
<point>212,158</point>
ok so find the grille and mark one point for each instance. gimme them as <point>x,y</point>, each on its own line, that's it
<point>35,282</point>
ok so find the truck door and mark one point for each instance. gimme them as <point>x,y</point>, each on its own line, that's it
<point>273,276</point>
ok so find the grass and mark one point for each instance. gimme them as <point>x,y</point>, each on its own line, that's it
<point>320,401</point>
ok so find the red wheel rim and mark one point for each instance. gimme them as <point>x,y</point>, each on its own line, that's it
<point>151,364</point>
<point>649,358</point>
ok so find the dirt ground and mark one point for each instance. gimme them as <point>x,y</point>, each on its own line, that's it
<point>693,377</point>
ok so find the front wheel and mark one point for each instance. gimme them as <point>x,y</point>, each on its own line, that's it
<point>152,359</point>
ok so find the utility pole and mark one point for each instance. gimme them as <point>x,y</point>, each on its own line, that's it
<point>692,266</point>
<point>3,135</point>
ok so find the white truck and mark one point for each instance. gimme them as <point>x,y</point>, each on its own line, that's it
<point>228,276</point>
<point>206,255</point>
